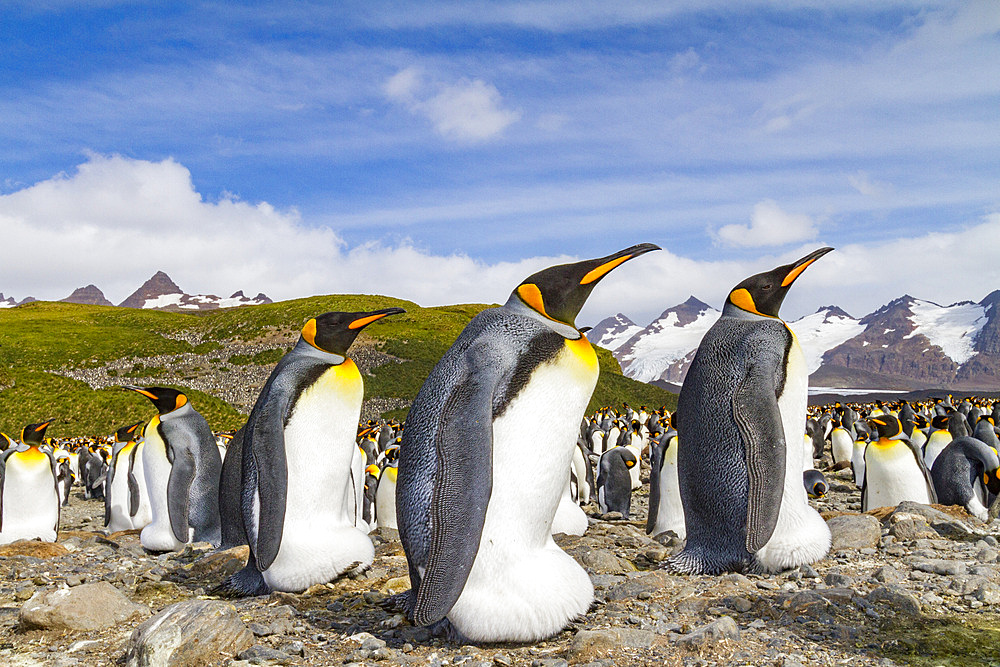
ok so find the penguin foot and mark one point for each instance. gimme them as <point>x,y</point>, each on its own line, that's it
<point>248,582</point>
<point>447,631</point>
<point>690,563</point>
<point>401,603</point>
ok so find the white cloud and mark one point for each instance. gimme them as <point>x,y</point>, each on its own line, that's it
<point>866,185</point>
<point>769,226</point>
<point>468,111</point>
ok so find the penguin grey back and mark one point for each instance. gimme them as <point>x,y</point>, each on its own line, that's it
<point>195,470</point>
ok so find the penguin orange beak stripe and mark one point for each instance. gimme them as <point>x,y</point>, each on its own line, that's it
<point>603,269</point>
<point>147,394</point>
<point>799,268</point>
<point>41,427</point>
<point>364,321</point>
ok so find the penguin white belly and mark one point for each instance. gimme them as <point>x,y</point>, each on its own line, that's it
<point>807,453</point>
<point>30,500</point>
<point>634,470</point>
<point>670,511</point>
<point>319,539</point>
<point>858,462</point>
<point>144,514</point>
<point>569,518</point>
<point>841,445</point>
<point>158,535</point>
<point>800,536</point>
<point>892,476</point>
<point>935,445</point>
<point>120,519</point>
<point>918,438</point>
<point>522,587</point>
<point>385,500</point>
<point>74,464</point>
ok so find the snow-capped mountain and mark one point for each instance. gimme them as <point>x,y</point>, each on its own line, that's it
<point>162,293</point>
<point>907,344</point>
<point>611,332</point>
<point>10,302</point>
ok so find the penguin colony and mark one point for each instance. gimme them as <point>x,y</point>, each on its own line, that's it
<point>476,494</point>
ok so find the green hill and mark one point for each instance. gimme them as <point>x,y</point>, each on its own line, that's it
<point>65,361</point>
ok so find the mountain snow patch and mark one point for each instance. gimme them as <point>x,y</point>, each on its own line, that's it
<point>664,342</point>
<point>822,331</point>
<point>952,328</point>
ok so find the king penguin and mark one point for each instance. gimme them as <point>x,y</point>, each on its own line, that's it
<point>477,492</point>
<point>894,471</point>
<point>122,488</point>
<point>298,503</point>
<point>665,509</point>
<point>959,472</point>
<point>742,418</point>
<point>182,466</point>
<point>29,490</point>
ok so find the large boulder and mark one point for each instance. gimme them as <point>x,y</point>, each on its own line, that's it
<point>87,607</point>
<point>854,531</point>
<point>190,633</point>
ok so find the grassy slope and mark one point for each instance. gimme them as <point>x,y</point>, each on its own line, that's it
<point>44,336</point>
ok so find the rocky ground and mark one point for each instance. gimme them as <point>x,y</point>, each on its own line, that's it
<point>910,585</point>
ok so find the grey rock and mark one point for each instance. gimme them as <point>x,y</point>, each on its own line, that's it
<point>85,607</point>
<point>887,574</point>
<point>987,554</point>
<point>838,580</point>
<point>945,567</point>
<point>594,644</point>
<point>194,632</point>
<point>911,528</point>
<point>259,653</point>
<point>603,561</point>
<point>723,628</point>
<point>854,531</point>
<point>897,598</point>
<point>988,593</point>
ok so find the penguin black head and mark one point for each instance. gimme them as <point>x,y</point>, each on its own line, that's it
<point>164,398</point>
<point>334,332</point>
<point>940,422</point>
<point>126,433</point>
<point>992,480</point>
<point>815,483</point>
<point>559,292</point>
<point>33,434</point>
<point>763,293</point>
<point>919,421</point>
<point>887,427</point>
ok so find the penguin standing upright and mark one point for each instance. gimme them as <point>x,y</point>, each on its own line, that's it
<point>298,503</point>
<point>614,480</point>
<point>182,465</point>
<point>29,490</point>
<point>666,512</point>
<point>742,418</point>
<point>122,487</point>
<point>841,446</point>
<point>894,471</point>
<point>477,491</point>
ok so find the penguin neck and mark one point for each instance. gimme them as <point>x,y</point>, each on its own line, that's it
<point>304,348</point>
<point>182,411</point>
<point>515,305</point>
<point>731,310</point>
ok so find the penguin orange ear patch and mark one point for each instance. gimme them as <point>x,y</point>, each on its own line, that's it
<point>532,296</point>
<point>741,298</point>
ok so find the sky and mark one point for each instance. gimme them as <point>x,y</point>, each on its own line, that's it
<point>443,151</point>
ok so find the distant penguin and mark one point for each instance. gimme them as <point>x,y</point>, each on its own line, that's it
<point>122,487</point>
<point>842,446</point>
<point>476,494</point>
<point>385,498</point>
<point>64,479</point>
<point>29,490</point>
<point>614,480</point>
<point>569,518</point>
<point>958,475</point>
<point>742,418</point>
<point>665,509</point>
<point>815,483</point>
<point>938,439</point>
<point>299,505</point>
<point>368,512</point>
<point>894,471</point>
<point>182,465</point>
<point>582,474</point>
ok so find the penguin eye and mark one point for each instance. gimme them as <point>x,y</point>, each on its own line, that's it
<point>767,286</point>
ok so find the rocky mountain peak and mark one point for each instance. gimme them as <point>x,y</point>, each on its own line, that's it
<point>89,295</point>
<point>157,286</point>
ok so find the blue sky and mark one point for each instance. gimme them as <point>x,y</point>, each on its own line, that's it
<point>442,151</point>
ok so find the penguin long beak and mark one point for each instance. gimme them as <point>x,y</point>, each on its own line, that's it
<point>44,425</point>
<point>801,265</point>
<point>617,259</point>
<point>142,391</point>
<point>362,322</point>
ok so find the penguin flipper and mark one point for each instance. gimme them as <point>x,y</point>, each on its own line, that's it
<point>755,408</point>
<point>464,482</point>
<point>133,484</point>
<point>178,490</point>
